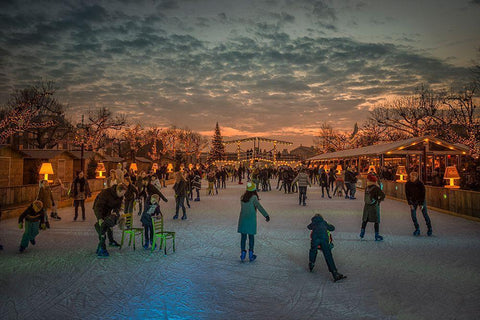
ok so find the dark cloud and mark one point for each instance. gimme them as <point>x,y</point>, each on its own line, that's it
<point>475,2</point>
<point>157,67</point>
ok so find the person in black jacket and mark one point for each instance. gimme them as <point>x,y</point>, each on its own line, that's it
<point>34,217</point>
<point>415,193</point>
<point>130,195</point>
<point>107,207</point>
<point>320,239</point>
<point>180,188</point>
<point>350,183</point>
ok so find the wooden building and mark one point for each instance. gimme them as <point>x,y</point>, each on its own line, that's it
<point>11,166</point>
<point>422,154</point>
<point>62,164</point>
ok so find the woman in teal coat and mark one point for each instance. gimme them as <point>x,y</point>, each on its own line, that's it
<point>247,222</point>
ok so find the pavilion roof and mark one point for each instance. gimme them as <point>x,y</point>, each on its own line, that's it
<point>258,139</point>
<point>397,147</point>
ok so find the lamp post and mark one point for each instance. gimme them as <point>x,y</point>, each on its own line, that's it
<point>81,133</point>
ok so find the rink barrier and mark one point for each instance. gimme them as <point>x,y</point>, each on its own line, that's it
<point>458,202</point>
<point>13,200</point>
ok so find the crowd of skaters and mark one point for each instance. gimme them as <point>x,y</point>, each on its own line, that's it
<point>126,191</point>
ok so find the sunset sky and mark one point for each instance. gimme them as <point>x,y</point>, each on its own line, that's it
<point>276,68</point>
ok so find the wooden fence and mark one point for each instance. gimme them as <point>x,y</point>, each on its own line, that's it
<point>458,201</point>
<point>22,195</point>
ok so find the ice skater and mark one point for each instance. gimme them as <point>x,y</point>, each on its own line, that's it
<point>320,239</point>
<point>371,210</point>
<point>247,221</point>
<point>107,207</point>
<point>180,188</point>
<point>303,182</point>
<point>415,193</point>
<point>150,210</point>
<point>34,217</point>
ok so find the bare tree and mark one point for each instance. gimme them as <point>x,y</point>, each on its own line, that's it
<point>34,110</point>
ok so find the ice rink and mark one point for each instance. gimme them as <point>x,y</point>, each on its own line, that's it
<point>403,277</point>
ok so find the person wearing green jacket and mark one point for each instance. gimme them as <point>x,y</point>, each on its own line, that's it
<point>247,221</point>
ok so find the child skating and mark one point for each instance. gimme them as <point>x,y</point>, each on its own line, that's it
<point>320,239</point>
<point>34,217</point>
<point>152,210</point>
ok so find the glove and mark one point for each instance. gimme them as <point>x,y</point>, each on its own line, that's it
<point>100,222</point>
<point>267,218</point>
<point>43,226</point>
<point>20,225</point>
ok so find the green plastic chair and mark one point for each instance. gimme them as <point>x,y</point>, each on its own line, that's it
<point>130,230</point>
<point>160,233</point>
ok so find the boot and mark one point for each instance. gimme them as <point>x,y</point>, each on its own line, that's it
<point>33,242</point>
<point>184,217</point>
<point>47,225</point>
<point>362,233</point>
<point>55,216</point>
<point>429,232</point>
<point>310,266</point>
<point>251,256</point>
<point>114,244</point>
<point>337,276</point>
<point>175,216</point>
<point>243,255</point>
<point>416,233</point>
<point>21,249</point>
<point>378,237</point>
<point>103,253</point>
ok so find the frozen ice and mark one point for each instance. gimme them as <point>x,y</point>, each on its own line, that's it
<point>403,277</point>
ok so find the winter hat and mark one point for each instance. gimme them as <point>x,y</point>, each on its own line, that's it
<point>251,186</point>
<point>37,205</point>
<point>155,198</point>
<point>371,178</point>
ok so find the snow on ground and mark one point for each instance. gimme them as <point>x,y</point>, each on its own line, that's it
<point>402,277</point>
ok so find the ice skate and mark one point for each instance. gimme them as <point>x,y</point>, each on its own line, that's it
<point>103,253</point>
<point>251,256</point>
<point>338,276</point>
<point>175,217</point>
<point>378,237</point>
<point>184,217</point>
<point>21,249</point>
<point>416,233</point>
<point>113,244</point>
<point>429,232</point>
<point>311,265</point>
<point>33,242</point>
<point>362,234</point>
<point>243,255</point>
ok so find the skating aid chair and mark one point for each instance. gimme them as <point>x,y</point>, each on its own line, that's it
<point>130,230</point>
<point>160,233</point>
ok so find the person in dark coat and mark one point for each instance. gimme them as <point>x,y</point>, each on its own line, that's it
<point>154,188</point>
<point>107,207</point>
<point>130,195</point>
<point>320,239</point>
<point>34,217</point>
<point>180,188</point>
<point>79,191</point>
<point>371,210</point>
<point>324,182</point>
<point>415,193</point>
<point>247,221</point>
<point>197,184</point>
<point>350,183</point>
<point>141,184</point>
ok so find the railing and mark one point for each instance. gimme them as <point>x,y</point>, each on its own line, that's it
<point>21,195</point>
<point>457,201</point>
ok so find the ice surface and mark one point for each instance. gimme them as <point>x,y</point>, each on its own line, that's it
<point>403,277</point>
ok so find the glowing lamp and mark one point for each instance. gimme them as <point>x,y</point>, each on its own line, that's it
<point>46,169</point>
<point>451,173</point>
<point>100,171</point>
<point>155,167</point>
<point>401,171</point>
<point>170,167</point>
<point>190,166</point>
<point>371,168</point>
<point>133,167</point>
<point>339,168</point>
